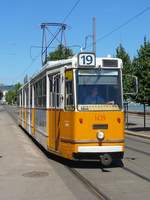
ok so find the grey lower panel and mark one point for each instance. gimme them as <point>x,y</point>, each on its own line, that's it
<point>29,128</point>
<point>41,138</point>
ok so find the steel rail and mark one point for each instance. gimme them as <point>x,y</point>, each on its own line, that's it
<point>96,191</point>
<point>137,150</point>
<point>137,140</point>
<point>136,174</point>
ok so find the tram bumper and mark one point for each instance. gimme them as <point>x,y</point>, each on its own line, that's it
<point>96,152</point>
<point>99,149</point>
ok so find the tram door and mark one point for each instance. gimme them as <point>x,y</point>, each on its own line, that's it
<point>55,112</point>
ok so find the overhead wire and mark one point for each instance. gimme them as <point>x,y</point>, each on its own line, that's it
<point>67,16</point>
<point>70,12</point>
<point>33,60</point>
<point>26,69</point>
<point>53,35</point>
<point>123,24</point>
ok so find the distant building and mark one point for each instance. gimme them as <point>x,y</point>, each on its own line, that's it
<point>4,96</point>
<point>4,89</point>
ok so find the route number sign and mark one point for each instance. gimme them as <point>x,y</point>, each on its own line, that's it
<point>86,59</point>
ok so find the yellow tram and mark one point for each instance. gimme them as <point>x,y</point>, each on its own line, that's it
<point>56,109</point>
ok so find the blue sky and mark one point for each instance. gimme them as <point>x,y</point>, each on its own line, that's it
<point>20,29</point>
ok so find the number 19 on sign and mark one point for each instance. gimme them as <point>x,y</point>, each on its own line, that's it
<point>86,59</point>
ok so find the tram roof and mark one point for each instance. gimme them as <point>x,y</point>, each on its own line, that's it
<point>57,63</point>
<point>71,63</point>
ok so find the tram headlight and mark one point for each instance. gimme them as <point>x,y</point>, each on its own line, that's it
<point>100,135</point>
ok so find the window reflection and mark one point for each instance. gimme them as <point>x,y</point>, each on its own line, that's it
<point>99,87</point>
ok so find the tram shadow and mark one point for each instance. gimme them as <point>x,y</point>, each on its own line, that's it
<point>85,164</point>
<point>95,164</point>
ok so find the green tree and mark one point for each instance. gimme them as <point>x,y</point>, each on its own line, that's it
<point>141,65</point>
<point>11,95</point>
<point>127,68</point>
<point>61,52</point>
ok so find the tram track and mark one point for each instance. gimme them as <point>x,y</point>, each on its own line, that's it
<point>92,188</point>
<point>96,190</point>
<point>138,140</point>
<point>130,170</point>
<point>137,150</point>
<point>136,174</point>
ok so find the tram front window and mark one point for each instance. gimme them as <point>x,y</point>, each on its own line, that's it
<point>97,87</point>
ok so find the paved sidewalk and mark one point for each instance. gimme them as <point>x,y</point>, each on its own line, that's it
<point>136,126</point>
<point>142,134</point>
<point>25,173</point>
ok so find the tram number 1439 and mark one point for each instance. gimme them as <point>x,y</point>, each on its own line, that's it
<point>86,59</point>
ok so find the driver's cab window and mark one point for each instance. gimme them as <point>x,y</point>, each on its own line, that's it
<point>69,93</point>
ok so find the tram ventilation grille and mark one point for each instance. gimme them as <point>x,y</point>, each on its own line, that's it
<point>110,63</point>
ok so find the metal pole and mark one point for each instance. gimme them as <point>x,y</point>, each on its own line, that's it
<point>127,116</point>
<point>45,48</point>
<point>144,115</point>
<point>43,36</point>
<point>94,34</point>
<point>46,45</point>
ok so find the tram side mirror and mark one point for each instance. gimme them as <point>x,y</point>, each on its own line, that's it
<point>130,85</point>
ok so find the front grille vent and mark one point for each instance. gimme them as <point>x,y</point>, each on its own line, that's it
<point>100,126</point>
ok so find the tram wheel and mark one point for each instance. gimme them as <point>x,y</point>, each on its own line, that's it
<point>106,159</point>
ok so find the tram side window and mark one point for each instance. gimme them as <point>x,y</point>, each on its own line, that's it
<point>44,92</point>
<point>35,94</point>
<point>23,100</point>
<point>40,93</point>
<point>57,91</point>
<point>30,96</point>
<point>20,98</point>
<point>27,96</point>
<point>69,95</point>
<point>51,91</point>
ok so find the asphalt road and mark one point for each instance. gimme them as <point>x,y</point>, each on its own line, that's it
<point>27,173</point>
<point>131,182</point>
